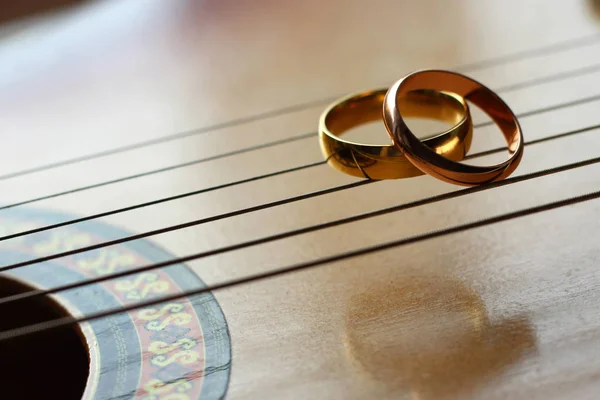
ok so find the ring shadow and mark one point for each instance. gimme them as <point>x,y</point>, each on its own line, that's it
<point>431,337</point>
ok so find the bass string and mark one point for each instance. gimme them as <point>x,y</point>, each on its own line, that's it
<point>70,321</point>
<point>465,68</point>
<point>309,195</point>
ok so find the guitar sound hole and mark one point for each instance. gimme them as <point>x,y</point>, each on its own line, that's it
<point>49,365</point>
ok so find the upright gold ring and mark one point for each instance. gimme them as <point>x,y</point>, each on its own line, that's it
<point>433,163</point>
<point>387,161</point>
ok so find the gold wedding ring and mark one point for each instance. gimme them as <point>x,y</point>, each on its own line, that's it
<point>388,161</point>
<point>433,163</point>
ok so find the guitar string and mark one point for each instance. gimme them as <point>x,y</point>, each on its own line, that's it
<point>295,199</point>
<point>284,235</point>
<point>476,66</point>
<point>69,321</point>
<point>525,54</point>
<point>552,78</point>
<point>265,145</point>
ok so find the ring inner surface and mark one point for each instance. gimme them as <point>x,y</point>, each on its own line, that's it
<point>429,104</point>
<point>482,97</point>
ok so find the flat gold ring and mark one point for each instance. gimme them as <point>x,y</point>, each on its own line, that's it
<point>435,164</point>
<point>387,161</point>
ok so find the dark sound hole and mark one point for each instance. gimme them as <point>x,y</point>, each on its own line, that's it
<point>50,365</point>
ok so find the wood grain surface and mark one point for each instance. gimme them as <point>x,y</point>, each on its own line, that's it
<point>203,93</point>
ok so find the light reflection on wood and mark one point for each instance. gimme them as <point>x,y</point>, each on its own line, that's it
<point>430,335</point>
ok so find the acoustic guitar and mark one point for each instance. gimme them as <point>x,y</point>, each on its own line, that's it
<point>170,229</point>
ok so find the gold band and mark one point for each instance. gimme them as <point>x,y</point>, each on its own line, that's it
<point>434,164</point>
<point>386,161</point>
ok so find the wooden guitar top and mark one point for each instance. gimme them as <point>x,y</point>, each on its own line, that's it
<point>113,104</point>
